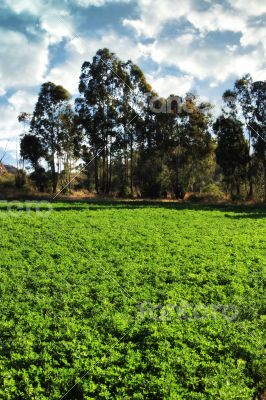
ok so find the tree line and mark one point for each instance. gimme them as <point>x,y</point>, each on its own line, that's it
<point>128,141</point>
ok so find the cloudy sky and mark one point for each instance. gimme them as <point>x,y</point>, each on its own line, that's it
<point>182,45</point>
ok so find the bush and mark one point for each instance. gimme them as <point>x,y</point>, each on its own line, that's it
<point>7,181</point>
<point>41,179</point>
<point>20,179</point>
<point>213,189</point>
<point>237,197</point>
<point>124,191</point>
<point>204,197</point>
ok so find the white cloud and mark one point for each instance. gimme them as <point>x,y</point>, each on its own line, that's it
<point>249,8</point>
<point>259,75</point>
<point>8,150</point>
<point>32,7</point>
<point>10,129</point>
<point>57,25</point>
<point>154,14</point>
<point>22,63</point>
<point>98,3</point>
<point>171,84</point>
<point>203,61</point>
<point>216,18</point>
<point>53,19</point>
<point>191,53</point>
<point>254,36</point>
<point>22,101</point>
<point>232,47</point>
<point>82,49</point>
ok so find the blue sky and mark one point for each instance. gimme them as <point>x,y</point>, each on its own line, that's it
<point>182,45</point>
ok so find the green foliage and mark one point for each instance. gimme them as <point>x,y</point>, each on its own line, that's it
<point>7,181</point>
<point>135,143</point>
<point>20,179</point>
<point>48,128</point>
<point>31,149</point>
<point>247,101</point>
<point>41,179</point>
<point>232,152</point>
<point>73,283</point>
<point>111,111</point>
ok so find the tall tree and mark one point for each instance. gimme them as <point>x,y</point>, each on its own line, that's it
<point>32,150</point>
<point>110,108</point>
<point>258,125</point>
<point>197,143</point>
<point>70,142</point>
<point>134,109</point>
<point>232,151</point>
<point>46,125</point>
<point>247,101</point>
<point>99,88</point>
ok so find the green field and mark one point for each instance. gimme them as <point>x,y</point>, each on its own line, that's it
<point>132,301</point>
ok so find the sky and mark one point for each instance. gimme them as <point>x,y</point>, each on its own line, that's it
<point>200,46</point>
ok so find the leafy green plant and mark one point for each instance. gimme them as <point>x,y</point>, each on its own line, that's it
<point>72,282</point>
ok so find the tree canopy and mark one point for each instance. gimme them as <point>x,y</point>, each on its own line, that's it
<point>131,142</point>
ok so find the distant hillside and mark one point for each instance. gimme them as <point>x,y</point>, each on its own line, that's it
<point>10,168</point>
<point>7,168</point>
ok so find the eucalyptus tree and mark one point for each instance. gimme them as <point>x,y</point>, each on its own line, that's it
<point>189,146</point>
<point>134,111</point>
<point>232,153</point>
<point>247,102</point>
<point>164,145</point>
<point>258,125</point>
<point>32,150</point>
<point>199,144</point>
<point>111,110</point>
<point>46,125</point>
<point>70,142</point>
<point>100,88</point>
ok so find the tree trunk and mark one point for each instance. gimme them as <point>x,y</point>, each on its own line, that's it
<point>69,175</point>
<point>126,168</point>
<point>264,167</point>
<point>103,172</point>
<point>131,165</point>
<point>106,188</point>
<point>110,173</point>
<point>96,177</point>
<point>250,193</point>
<point>54,177</point>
